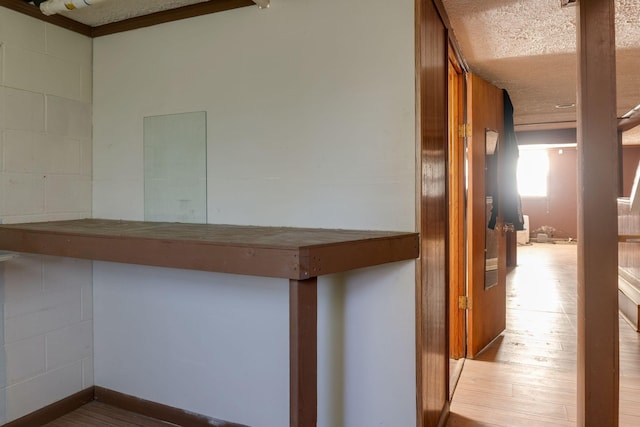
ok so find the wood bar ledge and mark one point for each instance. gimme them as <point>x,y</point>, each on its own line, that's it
<point>285,252</point>
<point>297,254</point>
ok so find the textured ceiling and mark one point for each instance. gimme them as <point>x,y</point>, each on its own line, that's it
<point>529,48</point>
<point>525,46</point>
<point>118,10</point>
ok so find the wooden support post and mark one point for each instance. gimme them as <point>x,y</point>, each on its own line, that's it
<point>303,353</point>
<point>598,368</point>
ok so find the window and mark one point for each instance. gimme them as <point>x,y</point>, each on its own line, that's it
<point>533,169</point>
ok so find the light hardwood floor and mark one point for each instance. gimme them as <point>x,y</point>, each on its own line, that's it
<point>527,377</point>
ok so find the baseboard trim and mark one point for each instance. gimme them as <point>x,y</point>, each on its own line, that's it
<point>55,410</point>
<point>158,410</point>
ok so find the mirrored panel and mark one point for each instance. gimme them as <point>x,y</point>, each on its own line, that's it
<point>491,187</point>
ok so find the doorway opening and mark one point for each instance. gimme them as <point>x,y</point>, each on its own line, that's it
<point>477,234</point>
<point>457,220</point>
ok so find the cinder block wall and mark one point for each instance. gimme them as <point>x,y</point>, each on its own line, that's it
<point>45,174</point>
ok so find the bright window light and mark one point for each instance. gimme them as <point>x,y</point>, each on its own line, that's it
<point>533,170</point>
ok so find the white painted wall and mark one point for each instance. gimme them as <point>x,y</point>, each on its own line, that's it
<point>45,174</point>
<point>310,108</point>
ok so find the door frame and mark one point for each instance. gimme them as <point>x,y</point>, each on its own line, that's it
<point>457,208</point>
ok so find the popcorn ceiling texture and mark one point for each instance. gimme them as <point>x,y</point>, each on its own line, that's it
<point>497,29</point>
<point>525,46</point>
<point>528,47</point>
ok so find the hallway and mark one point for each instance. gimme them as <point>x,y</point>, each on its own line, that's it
<point>527,376</point>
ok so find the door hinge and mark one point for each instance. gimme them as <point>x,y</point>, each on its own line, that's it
<point>464,130</point>
<point>463,303</point>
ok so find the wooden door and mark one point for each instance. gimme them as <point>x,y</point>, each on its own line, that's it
<point>486,314</point>
<point>457,206</point>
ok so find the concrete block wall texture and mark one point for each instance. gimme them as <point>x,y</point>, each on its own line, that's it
<point>46,350</point>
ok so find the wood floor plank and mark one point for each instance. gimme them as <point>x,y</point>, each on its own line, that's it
<point>97,414</point>
<point>505,417</point>
<point>629,421</point>
<point>456,420</point>
<point>548,410</point>
<point>537,393</point>
<point>496,388</point>
<point>519,374</point>
<point>527,377</point>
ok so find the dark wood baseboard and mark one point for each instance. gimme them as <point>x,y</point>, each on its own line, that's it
<point>122,401</point>
<point>55,410</point>
<point>158,410</point>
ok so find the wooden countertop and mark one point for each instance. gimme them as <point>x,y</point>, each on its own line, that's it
<point>292,253</point>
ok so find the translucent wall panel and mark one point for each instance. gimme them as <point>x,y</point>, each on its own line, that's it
<point>175,167</point>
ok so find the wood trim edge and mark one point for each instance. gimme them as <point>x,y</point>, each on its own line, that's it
<point>629,277</point>
<point>59,20</point>
<point>431,53</point>
<point>55,410</point>
<point>419,332</point>
<point>157,410</point>
<point>170,15</point>
<point>625,124</point>
<point>451,36</point>
<point>119,400</point>
<point>444,414</point>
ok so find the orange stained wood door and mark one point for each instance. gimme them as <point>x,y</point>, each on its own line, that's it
<point>486,314</point>
<point>457,231</point>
